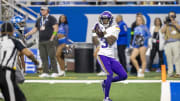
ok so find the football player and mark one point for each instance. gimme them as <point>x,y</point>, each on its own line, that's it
<point>20,29</point>
<point>105,35</point>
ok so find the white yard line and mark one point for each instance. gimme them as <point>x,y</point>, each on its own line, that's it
<point>95,81</point>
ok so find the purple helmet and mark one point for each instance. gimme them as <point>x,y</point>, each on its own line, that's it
<point>106,15</point>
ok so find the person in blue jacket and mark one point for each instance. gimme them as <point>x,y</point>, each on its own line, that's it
<point>122,41</point>
<point>140,45</point>
<point>62,41</point>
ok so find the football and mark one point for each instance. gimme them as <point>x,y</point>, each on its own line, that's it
<point>100,34</point>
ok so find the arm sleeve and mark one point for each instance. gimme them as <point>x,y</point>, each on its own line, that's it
<point>19,44</point>
<point>148,34</point>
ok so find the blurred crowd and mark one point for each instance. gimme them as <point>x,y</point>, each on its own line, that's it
<point>162,38</point>
<point>104,2</point>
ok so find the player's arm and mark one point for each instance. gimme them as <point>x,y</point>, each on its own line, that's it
<point>55,30</point>
<point>25,51</point>
<point>99,30</point>
<point>96,52</point>
<point>30,55</point>
<point>34,30</point>
<point>111,38</point>
<point>95,40</point>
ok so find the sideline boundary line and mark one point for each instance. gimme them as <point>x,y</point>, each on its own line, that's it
<point>95,81</point>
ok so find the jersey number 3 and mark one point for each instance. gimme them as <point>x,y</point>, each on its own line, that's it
<point>105,44</point>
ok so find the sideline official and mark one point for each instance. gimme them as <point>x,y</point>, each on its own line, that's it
<point>9,47</point>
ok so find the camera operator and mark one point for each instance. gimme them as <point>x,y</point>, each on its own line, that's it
<point>171,29</point>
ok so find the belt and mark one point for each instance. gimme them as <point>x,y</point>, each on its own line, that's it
<point>6,68</point>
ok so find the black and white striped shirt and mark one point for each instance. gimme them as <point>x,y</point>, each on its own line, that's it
<point>9,47</point>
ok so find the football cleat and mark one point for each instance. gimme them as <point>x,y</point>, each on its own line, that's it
<point>107,99</point>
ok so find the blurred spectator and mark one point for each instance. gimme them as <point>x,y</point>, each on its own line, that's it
<point>171,29</point>
<point>62,41</point>
<point>156,43</point>
<point>140,44</point>
<point>133,26</point>
<point>47,27</point>
<point>122,41</point>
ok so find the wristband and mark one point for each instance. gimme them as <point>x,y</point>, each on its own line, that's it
<point>54,33</point>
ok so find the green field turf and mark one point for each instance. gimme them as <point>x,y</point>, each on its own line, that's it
<point>91,92</point>
<point>93,76</point>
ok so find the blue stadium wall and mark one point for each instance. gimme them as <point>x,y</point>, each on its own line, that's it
<point>78,20</point>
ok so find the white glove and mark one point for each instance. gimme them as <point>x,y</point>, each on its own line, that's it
<point>102,28</point>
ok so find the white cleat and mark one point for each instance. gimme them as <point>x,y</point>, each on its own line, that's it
<point>62,73</point>
<point>44,75</point>
<point>1,96</point>
<point>107,99</point>
<point>101,74</point>
<point>54,75</point>
<point>140,74</point>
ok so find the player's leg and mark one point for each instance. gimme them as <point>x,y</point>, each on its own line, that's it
<point>106,67</point>
<point>119,70</point>
<point>44,59</point>
<point>22,62</point>
<point>143,58</point>
<point>134,54</point>
<point>59,56</point>
<point>10,88</point>
<point>51,49</point>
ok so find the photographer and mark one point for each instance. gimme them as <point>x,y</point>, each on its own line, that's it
<point>171,29</point>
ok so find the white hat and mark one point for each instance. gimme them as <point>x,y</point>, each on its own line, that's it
<point>45,8</point>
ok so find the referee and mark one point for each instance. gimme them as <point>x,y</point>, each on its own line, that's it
<point>9,47</point>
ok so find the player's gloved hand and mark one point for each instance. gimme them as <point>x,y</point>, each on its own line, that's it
<point>36,62</point>
<point>101,28</point>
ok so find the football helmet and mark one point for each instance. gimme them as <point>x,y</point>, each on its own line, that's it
<point>106,18</point>
<point>18,22</point>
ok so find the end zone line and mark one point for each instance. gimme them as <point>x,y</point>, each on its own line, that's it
<point>95,81</point>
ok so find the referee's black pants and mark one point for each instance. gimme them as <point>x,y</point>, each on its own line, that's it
<point>9,87</point>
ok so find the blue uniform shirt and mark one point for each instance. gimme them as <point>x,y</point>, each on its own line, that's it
<point>63,29</point>
<point>123,34</point>
<point>17,33</point>
<point>143,31</point>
